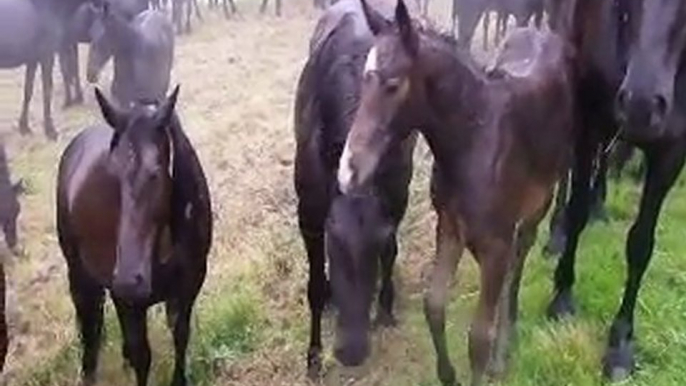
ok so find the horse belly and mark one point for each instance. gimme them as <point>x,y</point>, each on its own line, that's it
<point>19,27</point>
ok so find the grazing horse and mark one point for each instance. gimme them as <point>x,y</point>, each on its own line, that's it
<point>30,33</point>
<point>134,217</point>
<point>9,212</point>
<point>500,142</point>
<point>357,231</point>
<point>143,51</point>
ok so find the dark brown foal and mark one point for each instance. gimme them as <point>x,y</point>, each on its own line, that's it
<point>501,141</point>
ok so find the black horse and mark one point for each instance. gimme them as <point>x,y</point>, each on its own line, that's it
<point>134,217</point>
<point>357,230</point>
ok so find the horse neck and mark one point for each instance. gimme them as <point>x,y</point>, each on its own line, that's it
<point>455,92</point>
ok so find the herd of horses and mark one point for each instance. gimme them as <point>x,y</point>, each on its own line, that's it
<point>134,212</point>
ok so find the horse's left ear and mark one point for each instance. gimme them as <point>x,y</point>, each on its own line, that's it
<point>112,115</point>
<point>166,111</point>
<point>407,31</point>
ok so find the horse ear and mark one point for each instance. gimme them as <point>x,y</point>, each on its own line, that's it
<point>167,109</point>
<point>112,115</point>
<point>377,23</point>
<point>407,31</point>
<point>19,187</point>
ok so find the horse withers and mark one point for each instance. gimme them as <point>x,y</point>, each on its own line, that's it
<point>356,231</point>
<point>500,141</point>
<point>134,217</point>
<point>143,52</point>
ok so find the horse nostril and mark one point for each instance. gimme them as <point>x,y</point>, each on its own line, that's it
<point>660,105</point>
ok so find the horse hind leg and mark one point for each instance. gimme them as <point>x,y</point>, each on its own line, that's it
<point>88,298</point>
<point>664,167</point>
<point>29,78</point>
<point>136,348</point>
<point>508,309</point>
<point>449,248</point>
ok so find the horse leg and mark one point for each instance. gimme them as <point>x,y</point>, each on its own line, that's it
<point>88,298</point>
<point>76,77</point>
<point>197,9</point>
<point>599,189</point>
<point>508,312</point>
<point>453,24</point>
<point>558,238</point>
<point>46,73</point>
<point>487,22</point>
<point>576,218</point>
<point>136,348</point>
<point>180,326</point>
<point>278,7</point>
<point>66,69</point>
<point>385,315</point>
<point>664,165</point>
<point>263,7</point>
<point>29,78</point>
<point>188,7</point>
<point>495,256</point>
<point>317,289</point>
<point>449,248</point>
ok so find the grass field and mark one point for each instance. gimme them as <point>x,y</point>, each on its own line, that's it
<point>251,322</point>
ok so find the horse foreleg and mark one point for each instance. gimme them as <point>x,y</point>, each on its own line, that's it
<point>88,298</point>
<point>66,70</point>
<point>197,9</point>
<point>46,73</point>
<point>317,289</point>
<point>385,315</point>
<point>263,7</point>
<point>495,257</point>
<point>181,332</point>
<point>30,76</point>
<point>136,348</point>
<point>664,166</point>
<point>449,248</point>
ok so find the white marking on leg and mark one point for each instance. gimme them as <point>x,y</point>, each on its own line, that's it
<point>372,63</point>
<point>345,172</point>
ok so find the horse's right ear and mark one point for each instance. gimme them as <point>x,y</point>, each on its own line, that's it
<point>112,115</point>
<point>377,23</point>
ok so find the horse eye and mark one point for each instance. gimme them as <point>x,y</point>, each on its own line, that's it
<point>393,85</point>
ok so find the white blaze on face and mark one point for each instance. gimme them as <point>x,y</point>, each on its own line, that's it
<point>372,63</point>
<point>345,171</point>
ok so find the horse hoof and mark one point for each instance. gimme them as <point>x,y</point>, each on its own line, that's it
<point>50,132</point>
<point>562,306</point>
<point>447,376</point>
<point>385,319</point>
<point>314,364</point>
<point>554,247</point>
<point>24,129</point>
<point>618,362</point>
